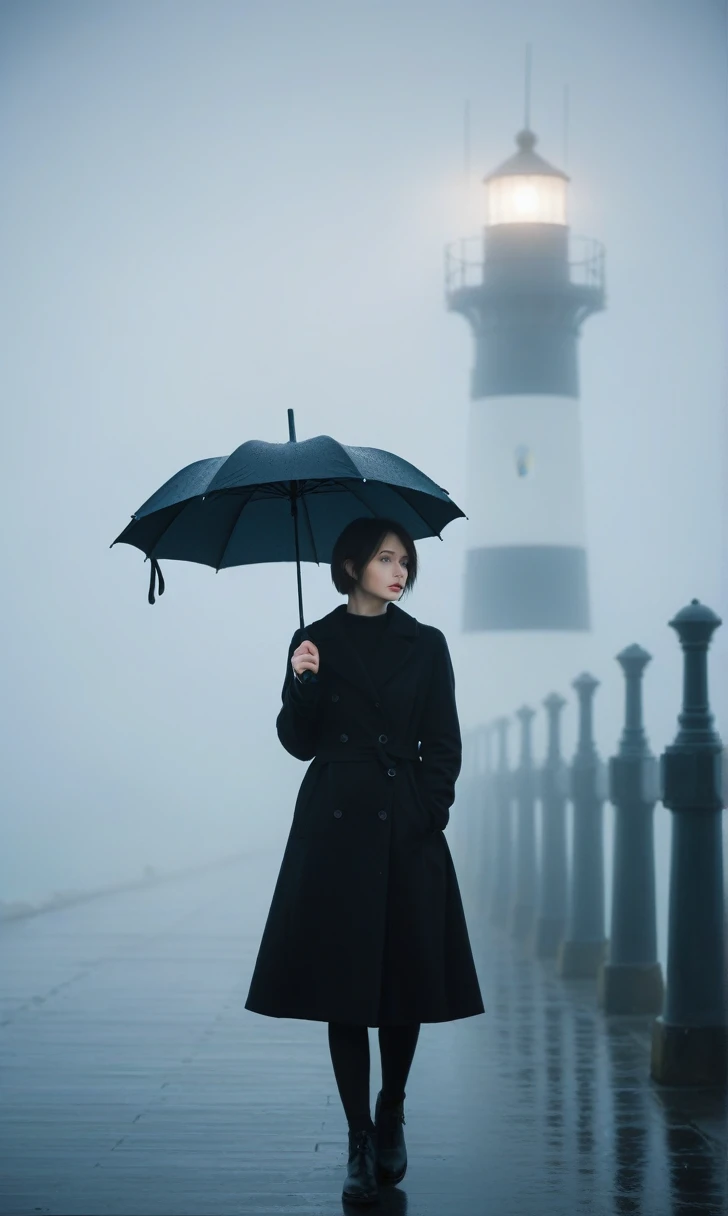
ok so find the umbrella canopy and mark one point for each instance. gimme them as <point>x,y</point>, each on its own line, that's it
<point>281,502</point>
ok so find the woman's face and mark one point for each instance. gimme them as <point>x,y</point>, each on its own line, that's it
<point>385,575</point>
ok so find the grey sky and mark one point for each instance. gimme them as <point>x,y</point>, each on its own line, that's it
<point>214,211</point>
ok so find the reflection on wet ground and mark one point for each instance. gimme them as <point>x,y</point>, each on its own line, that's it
<point>136,1083</point>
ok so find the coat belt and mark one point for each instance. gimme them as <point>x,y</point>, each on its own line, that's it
<point>362,752</point>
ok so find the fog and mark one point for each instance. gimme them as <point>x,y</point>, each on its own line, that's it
<point>216,211</point>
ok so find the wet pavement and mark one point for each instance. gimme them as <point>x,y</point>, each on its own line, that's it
<point>135,1083</point>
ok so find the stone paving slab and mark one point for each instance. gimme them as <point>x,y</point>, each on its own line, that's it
<point>134,1083</point>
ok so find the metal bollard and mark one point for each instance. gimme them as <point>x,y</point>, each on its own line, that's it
<point>484,838</point>
<point>523,911</point>
<point>464,806</point>
<point>501,893</point>
<point>690,1039</point>
<point>631,982</point>
<point>585,946</point>
<point>553,791</point>
<point>486,813</point>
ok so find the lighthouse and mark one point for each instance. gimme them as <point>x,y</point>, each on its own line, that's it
<point>526,286</point>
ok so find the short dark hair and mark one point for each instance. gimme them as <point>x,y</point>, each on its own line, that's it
<point>359,542</point>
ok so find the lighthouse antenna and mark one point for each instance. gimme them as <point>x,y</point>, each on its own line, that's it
<point>466,159</point>
<point>566,126</point>
<point>527,83</point>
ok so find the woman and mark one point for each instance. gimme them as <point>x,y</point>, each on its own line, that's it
<point>366,925</point>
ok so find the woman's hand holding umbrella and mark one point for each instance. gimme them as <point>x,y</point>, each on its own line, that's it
<point>305,659</point>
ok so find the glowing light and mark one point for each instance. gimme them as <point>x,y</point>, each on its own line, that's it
<point>526,199</point>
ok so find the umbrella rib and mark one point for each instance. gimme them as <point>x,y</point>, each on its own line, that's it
<point>168,525</point>
<point>397,490</point>
<point>232,529</point>
<point>351,490</point>
<point>310,529</point>
<point>412,506</point>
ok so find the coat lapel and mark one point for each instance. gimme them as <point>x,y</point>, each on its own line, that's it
<point>338,654</point>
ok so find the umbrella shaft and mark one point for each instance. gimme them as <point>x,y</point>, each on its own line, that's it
<point>294,513</point>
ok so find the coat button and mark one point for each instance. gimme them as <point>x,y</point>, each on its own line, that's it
<point>337,814</point>
<point>391,772</point>
<point>377,705</point>
<point>343,738</point>
<point>382,738</point>
<point>382,814</point>
<point>334,696</point>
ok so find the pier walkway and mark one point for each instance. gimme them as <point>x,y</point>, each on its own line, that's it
<point>134,1083</point>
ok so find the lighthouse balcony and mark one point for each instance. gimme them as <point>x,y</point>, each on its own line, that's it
<point>545,262</point>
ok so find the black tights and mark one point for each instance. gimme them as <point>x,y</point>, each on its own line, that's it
<point>349,1046</point>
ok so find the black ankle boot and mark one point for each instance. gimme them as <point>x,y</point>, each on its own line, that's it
<point>391,1152</point>
<point>361,1182</point>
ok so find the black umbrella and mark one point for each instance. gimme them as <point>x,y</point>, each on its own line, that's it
<point>244,508</point>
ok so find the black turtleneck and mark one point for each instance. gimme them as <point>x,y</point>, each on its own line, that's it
<point>365,634</point>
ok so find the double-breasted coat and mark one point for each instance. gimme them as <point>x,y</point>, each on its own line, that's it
<point>366,922</point>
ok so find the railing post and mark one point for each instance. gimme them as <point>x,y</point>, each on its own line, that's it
<point>524,910</point>
<point>690,1039</point>
<point>486,844</point>
<point>554,787</point>
<point>631,982</point>
<point>476,806</point>
<point>465,805</point>
<point>585,946</point>
<point>485,841</point>
<point>503,797</point>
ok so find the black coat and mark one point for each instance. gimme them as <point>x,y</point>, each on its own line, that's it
<point>366,922</point>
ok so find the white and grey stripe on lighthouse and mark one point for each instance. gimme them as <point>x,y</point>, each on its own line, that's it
<point>526,565</point>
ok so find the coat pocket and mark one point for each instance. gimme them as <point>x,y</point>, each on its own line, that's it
<point>437,818</point>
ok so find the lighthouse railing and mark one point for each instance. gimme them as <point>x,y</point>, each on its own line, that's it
<point>464,264</point>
